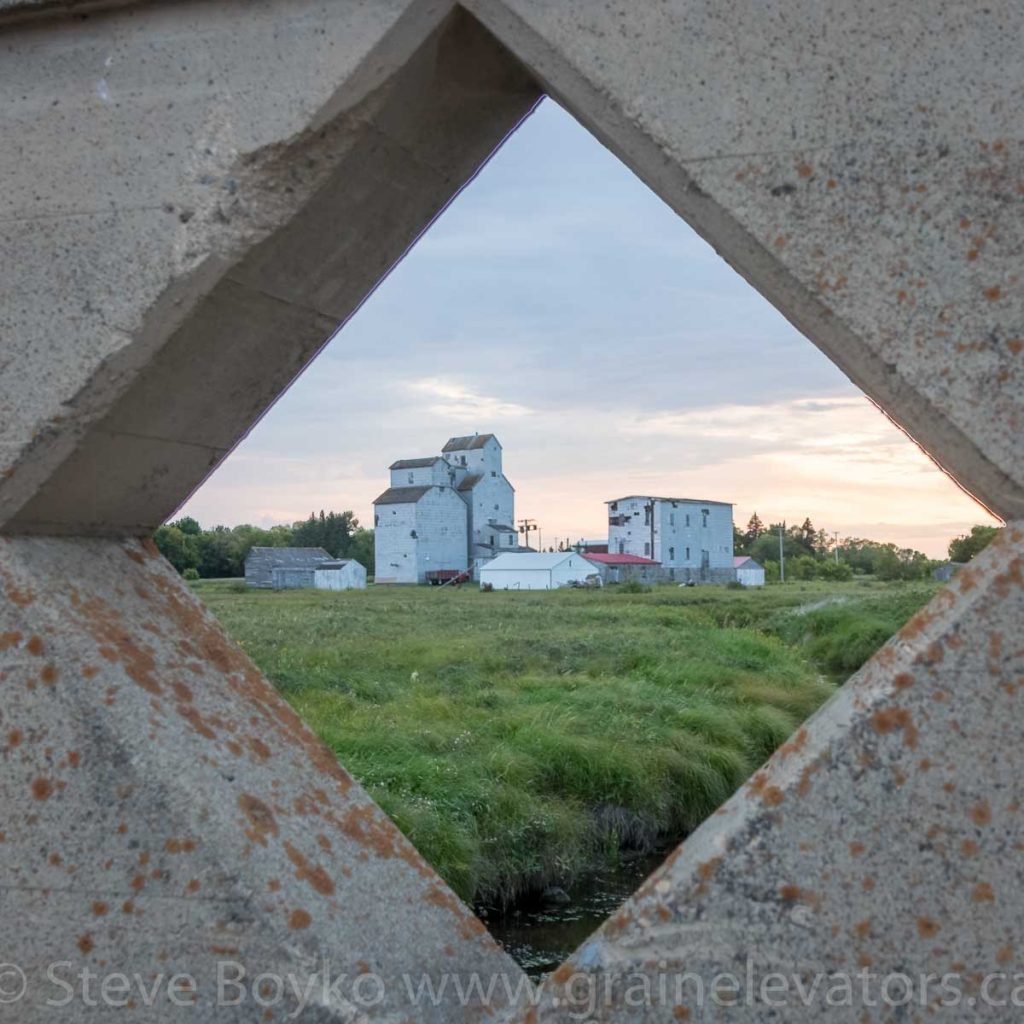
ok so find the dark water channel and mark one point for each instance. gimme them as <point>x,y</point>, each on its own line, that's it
<point>539,936</point>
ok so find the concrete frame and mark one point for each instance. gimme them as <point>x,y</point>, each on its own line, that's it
<point>196,193</point>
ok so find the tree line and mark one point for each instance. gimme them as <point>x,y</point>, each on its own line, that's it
<point>811,553</point>
<point>220,551</point>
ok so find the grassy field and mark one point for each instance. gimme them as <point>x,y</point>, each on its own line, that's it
<point>520,738</point>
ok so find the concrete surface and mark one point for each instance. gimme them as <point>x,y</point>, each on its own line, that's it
<point>166,811</point>
<point>197,193</point>
<point>186,176</point>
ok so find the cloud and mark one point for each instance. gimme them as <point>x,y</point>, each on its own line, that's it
<point>459,402</point>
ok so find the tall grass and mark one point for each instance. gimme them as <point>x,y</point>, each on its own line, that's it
<point>518,739</point>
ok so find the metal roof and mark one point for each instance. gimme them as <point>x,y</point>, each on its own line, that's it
<point>471,481</point>
<point>655,497</point>
<point>469,442</point>
<point>335,563</point>
<point>415,463</point>
<point>519,560</point>
<point>291,557</point>
<point>618,559</point>
<point>741,560</point>
<point>401,495</point>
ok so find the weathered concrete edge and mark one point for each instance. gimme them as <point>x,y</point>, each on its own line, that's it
<point>918,418</point>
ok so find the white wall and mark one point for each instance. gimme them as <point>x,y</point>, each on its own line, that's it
<point>441,528</point>
<point>752,577</point>
<point>680,535</point>
<point>575,567</point>
<point>411,539</point>
<point>351,577</point>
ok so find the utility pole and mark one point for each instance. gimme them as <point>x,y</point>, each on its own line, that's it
<point>526,527</point>
<point>835,544</point>
<point>782,554</point>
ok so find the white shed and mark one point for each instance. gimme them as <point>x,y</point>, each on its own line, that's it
<point>748,572</point>
<point>536,570</point>
<point>340,574</point>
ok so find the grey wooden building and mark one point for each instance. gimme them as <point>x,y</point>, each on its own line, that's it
<point>261,562</point>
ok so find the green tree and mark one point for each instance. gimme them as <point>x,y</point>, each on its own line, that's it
<point>362,550</point>
<point>177,547</point>
<point>188,526</point>
<point>754,529</point>
<point>965,547</point>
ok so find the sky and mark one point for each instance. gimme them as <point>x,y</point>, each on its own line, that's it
<point>561,305</point>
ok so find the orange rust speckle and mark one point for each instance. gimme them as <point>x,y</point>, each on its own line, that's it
<point>983,893</point>
<point>927,928</point>
<point>299,919</point>
<point>143,858</point>
<point>193,886</point>
<point>903,680</point>
<point>274,885</point>
<point>49,674</point>
<point>1005,956</point>
<point>261,818</point>
<point>863,928</point>
<point>127,907</point>
<point>831,183</point>
<point>868,883</point>
<point>563,974</point>
<point>42,789</point>
<point>888,720</point>
<point>99,908</point>
<point>789,892</point>
<point>85,944</point>
<point>234,747</point>
<point>805,170</point>
<point>20,595</point>
<point>181,691</point>
<point>981,813</point>
<point>9,640</point>
<point>794,745</point>
<point>195,719</point>
<point>856,849</point>
<point>35,646</point>
<point>708,870</point>
<point>224,950</point>
<point>863,960</point>
<point>259,748</point>
<point>993,293</point>
<point>924,764</point>
<point>74,758</point>
<point>14,738</point>
<point>306,872</point>
<point>55,858</point>
<point>780,242</point>
<point>772,796</point>
<point>969,848</point>
<point>681,1013</point>
<point>1015,345</point>
<point>964,223</point>
<point>138,882</point>
<point>324,842</point>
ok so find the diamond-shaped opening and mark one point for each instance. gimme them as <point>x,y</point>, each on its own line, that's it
<point>544,751</point>
<point>433,127</point>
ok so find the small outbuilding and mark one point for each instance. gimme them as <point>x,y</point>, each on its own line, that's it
<point>748,572</point>
<point>537,570</point>
<point>340,574</point>
<point>261,562</point>
<point>619,568</point>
